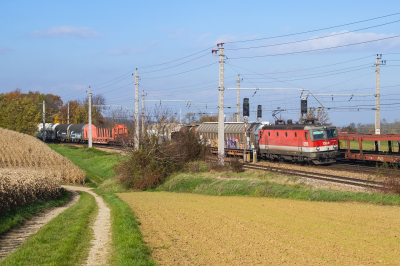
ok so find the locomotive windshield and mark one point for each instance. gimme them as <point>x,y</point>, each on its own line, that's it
<point>318,134</point>
<point>324,134</point>
<point>331,133</point>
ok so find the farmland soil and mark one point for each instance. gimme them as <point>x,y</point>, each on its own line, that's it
<point>12,239</point>
<point>191,229</point>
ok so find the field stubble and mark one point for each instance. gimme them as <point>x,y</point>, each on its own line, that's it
<point>188,229</point>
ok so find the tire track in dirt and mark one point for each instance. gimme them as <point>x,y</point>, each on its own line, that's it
<point>12,239</point>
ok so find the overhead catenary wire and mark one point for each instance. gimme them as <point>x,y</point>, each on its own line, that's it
<point>316,50</point>
<point>311,39</point>
<point>311,68</point>
<point>310,31</point>
<point>175,74</point>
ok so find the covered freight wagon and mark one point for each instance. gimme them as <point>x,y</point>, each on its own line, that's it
<point>234,137</point>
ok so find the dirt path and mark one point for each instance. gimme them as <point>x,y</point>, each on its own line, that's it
<point>12,239</point>
<point>99,252</point>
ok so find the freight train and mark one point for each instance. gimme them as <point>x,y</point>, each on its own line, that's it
<point>80,133</point>
<point>306,142</point>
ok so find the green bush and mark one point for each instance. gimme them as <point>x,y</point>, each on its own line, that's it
<point>154,161</point>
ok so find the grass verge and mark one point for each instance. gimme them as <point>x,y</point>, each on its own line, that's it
<point>98,165</point>
<point>17,216</point>
<point>235,185</point>
<point>127,240</point>
<point>128,244</point>
<point>129,247</point>
<point>63,241</point>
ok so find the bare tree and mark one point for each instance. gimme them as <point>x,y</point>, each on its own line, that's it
<point>319,114</point>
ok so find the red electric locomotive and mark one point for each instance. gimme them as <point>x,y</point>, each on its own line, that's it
<point>317,143</point>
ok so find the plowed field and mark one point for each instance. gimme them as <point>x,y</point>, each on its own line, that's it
<point>190,229</point>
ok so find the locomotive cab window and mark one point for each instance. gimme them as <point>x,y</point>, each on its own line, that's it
<point>295,134</point>
<point>277,134</point>
<point>306,135</point>
<point>269,134</point>
<point>318,134</point>
<point>286,134</point>
<point>331,133</point>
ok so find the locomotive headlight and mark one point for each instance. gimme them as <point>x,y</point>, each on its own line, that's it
<point>334,147</point>
<point>317,148</point>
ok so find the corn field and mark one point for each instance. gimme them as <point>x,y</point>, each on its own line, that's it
<point>19,150</point>
<point>31,171</point>
<point>22,186</point>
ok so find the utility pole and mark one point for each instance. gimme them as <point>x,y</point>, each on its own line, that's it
<point>238,100</point>
<point>221,124</point>
<point>378,100</point>
<point>68,113</point>
<point>136,110</point>
<point>44,121</point>
<point>90,118</point>
<point>143,115</point>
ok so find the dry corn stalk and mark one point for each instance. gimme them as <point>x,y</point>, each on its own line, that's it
<point>19,150</point>
<point>22,186</point>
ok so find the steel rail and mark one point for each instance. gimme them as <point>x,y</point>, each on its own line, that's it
<point>324,177</point>
<point>318,176</point>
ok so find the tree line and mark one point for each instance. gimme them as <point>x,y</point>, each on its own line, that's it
<point>386,127</point>
<point>22,112</point>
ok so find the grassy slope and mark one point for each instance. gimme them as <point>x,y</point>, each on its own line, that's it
<point>98,165</point>
<point>128,244</point>
<point>17,216</point>
<point>237,185</point>
<point>63,241</point>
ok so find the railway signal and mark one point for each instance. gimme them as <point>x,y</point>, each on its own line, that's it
<point>303,106</point>
<point>259,112</point>
<point>246,107</point>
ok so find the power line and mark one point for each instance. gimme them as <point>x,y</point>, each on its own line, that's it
<point>182,72</point>
<point>316,38</point>
<point>317,66</point>
<point>175,65</point>
<point>298,33</point>
<point>350,69</point>
<point>314,50</point>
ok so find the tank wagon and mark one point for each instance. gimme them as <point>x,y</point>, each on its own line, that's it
<point>80,133</point>
<point>315,143</point>
<point>49,129</point>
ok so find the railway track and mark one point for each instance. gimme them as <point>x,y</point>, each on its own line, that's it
<point>111,148</point>
<point>358,182</point>
<point>349,167</point>
<point>318,176</point>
